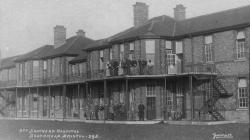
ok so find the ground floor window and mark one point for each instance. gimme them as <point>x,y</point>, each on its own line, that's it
<point>242,93</point>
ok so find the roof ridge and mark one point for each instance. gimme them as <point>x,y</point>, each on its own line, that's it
<point>218,12</point>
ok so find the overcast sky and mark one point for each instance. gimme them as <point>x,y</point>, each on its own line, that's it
<point>28,24</point>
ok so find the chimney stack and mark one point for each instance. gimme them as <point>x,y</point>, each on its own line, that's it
<point>59,35</point>
<point>140,13</point>
<point>180,12</point>
<point>80,33</point>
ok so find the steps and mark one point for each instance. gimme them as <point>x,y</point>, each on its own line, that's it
<point>216,115</point>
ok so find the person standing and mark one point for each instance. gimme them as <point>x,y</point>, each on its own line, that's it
<point>141,108</point>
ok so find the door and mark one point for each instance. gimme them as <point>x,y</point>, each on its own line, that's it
<point>151,108</point>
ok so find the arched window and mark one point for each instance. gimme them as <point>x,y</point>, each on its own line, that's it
<point>240,45</point>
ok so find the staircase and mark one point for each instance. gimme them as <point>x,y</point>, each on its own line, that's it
<point>218,91</point>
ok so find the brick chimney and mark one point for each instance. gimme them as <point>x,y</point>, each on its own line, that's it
<point>80,33</point>
<point>140,13</point>
<point>59,35</point>
<point>180,12</point>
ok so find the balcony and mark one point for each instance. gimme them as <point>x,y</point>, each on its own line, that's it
<point>9,83</point>
<point>135,67</point>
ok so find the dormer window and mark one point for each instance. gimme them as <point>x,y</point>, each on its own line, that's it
<point>240,45</point>
<point>208,48</point>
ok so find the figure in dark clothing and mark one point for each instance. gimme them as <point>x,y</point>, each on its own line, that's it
<point>141,108</point>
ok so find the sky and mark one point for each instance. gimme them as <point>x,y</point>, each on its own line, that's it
<point>28,24</point>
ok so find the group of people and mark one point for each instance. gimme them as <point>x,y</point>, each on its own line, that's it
<point>97,112</point>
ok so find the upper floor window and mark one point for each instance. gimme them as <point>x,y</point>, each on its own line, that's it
<point>101,60</point>
<point>35,69</point>
<point>75,70</point>
<point>168,45</point>
<point>26,70</point>
<point>150,51</point>
<point>53,66</point>
<point>121,51</point>
<point>242,93</point>
<point>178,47</point>
<point>110,53</point>
<point>208,48</point>
<point>131,50</point>
<point>240,45</point>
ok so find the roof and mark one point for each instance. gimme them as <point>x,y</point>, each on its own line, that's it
<point>158,26</point>
<point>102,43</point>
<point>80,58</point>
<point>227,19</point>
<point>8,62</point>
<point>167,27</point>
<point>36,54</point>
<point>72,47</point>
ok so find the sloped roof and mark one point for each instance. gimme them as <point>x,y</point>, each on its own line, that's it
<point>8,62</point>
<point>82,57</point>
<point>158,26</point>
<point>165,26</point>
<point>102,43</point>
<point>72,47</point>
<point>36,54</point>
<point>212,22</point>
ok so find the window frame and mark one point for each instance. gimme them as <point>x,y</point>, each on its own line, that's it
<point>242,93</point>
<point>240,45</point>
<point>150,90</point>
<point>208,49</point>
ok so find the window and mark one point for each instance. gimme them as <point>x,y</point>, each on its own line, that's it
<point>35,72</point>
<point>240,45</point>
<point>242,93</point>
<point>101,60</point>
<point>178,47</point>
<point>121,51</point>
<point>110,53</point>
<point>150,92</point>
<point>26,70</point>
<point>170,100</point>
<point>75,70</point>
<point>168,45</point>
<point>131,50</point>
<point>208,49</point>
<point>150,52</point>
<point>171,59</point>
<point>131,46</point>
<point>53,66</point>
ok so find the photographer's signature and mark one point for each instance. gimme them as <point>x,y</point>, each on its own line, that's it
<point>222,136</point>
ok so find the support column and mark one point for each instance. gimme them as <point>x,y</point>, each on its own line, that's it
<point>29,102</point>
<point>16,104</point>
<point>105,100</point>
<point>48,107</point>
<point>38,102</point>
<point>165,101</point>
<point>191,96</point>
<point>127,98</point>
<point>64,101</point>
<point>78,99</point>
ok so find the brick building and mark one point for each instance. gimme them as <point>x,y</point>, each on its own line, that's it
<point>178,68</point>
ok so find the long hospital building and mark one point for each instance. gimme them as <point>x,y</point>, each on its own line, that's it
<point>179,68</point>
